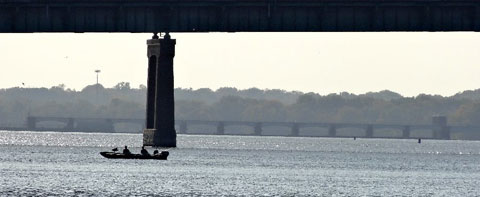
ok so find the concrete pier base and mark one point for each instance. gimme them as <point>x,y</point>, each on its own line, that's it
<point>154,137</point>
<point>332,131</point>
<point>440,130</point>
<point>295,130</point>
<point>183,127</point>
<point>406,132</point>
<point>258,128</point>
<point>220,128</point>
<point>369,131</point>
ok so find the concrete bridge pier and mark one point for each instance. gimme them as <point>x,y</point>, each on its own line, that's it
<point>332,131</point>
<point>151,82</point>
<point>109,125</point>
<point>440,128</point>
<point>70,124</point>
<point>258,128</point>
<point>183,127</point>
<point>406,132</point>
<point>31,123</point>
<point>369,131</point>
<point>160,120</point>
<point>295,130</point>
<point>220,128</point>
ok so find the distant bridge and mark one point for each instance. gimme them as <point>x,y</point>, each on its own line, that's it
<point>439,129</point>
<point>81,124</point>
<point>148,16</point>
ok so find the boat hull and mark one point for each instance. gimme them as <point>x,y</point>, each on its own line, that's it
<point>113,155</point>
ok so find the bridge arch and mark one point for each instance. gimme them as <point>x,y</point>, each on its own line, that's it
<point>422,132</point>
<point>61,123</point>
<point>195,126</point>
<point>397,131</point>
<point>316,130</point>
<point>351,130</point>
<point>128,127</point>
<point>284,129</point>
<point>241,127</point>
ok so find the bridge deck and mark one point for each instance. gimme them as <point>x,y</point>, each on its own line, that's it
<point>238,15</point>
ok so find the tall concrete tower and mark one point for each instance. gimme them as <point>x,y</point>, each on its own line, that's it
<point>160,117</point>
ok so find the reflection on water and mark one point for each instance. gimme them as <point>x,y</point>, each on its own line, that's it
<point>69,164</point>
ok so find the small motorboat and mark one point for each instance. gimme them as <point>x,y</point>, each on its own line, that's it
<point>114,155</point>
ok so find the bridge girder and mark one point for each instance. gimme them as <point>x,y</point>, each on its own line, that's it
<point>238,15</point>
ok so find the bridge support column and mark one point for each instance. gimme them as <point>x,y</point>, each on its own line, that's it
<point>70,124</point>
<point>109,125</point>
<point>295,130</point>
<point>258,128</point>
<point>31,123</point>
<point>152,53</point>
<point>220,128</point>
<point>440,128</point>
<point>406,132</point>
<point>183,127</point>
<point>160,97</point>
<point>332,131</point>
<point>369,131</point>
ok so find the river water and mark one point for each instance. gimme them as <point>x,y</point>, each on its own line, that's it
<point>68,164</point>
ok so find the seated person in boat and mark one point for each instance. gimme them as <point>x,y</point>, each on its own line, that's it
<point>144,151</point>
<point>155,152</point>
<point>126,151</point>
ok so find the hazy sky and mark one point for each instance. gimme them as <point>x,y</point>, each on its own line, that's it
<point>407,63</point>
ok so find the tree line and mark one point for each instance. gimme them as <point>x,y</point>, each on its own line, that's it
<point>123,101</point>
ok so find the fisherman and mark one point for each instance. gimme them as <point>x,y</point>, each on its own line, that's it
<point>155,152</point>
<point>126,151</point>
<point>144,151</point>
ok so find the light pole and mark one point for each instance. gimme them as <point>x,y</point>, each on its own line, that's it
<point>96,87</point>
<point>97,71</point>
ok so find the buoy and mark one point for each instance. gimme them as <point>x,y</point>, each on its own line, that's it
<point>419,140</point>
<point>354,138</point>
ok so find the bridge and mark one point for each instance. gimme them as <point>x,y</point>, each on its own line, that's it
<point>80,124</point>
<point>437,130</point>
<point>238,15</point>
<point>136,16</point>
